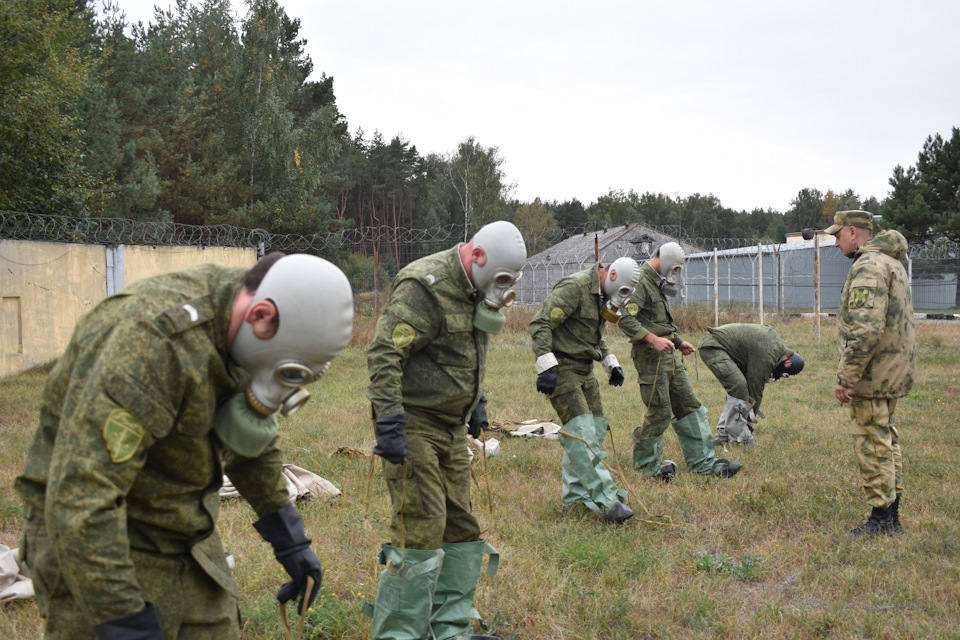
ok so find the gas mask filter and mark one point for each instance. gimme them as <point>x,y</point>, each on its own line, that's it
<point>314,305</point>
<point>506,253</point>
<point>623,274</point>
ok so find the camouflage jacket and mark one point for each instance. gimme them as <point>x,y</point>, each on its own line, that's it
<point>648,312</point>
<point>569,323</point>
<point>427,359</point>
<point>125,456</point>
<point>756,349</point>
<point>878,350</point>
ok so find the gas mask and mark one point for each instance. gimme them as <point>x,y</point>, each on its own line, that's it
<point>314,305</point>
<point>623,274</point>
<point>671,264</point>
<point>506,254</point>
<point>782,371</point>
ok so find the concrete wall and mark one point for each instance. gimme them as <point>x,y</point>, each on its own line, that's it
<point>46,286</point>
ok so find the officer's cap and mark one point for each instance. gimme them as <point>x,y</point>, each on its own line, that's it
<point>855,218</point>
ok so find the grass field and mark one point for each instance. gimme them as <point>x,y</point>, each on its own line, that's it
<point>761,555</point>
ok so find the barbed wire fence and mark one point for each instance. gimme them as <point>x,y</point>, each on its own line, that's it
<point>727,272</point>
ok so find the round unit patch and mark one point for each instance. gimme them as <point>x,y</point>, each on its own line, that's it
<point>557,315</point>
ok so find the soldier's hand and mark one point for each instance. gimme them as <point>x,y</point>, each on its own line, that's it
<point>547,381</point>
<point>391,431</point>
<point>616,377</point>
<point>686,348</point>
<point>283,529</point>
<point>142,625</point>
<point>478,419</point>
<point>842,393</point>
<point>663,345</point>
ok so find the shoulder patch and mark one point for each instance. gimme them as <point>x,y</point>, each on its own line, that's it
<point>862,297</point>
<point>557,315</point>
<point>403,335</point>
<point>122,434</point>
<point>633,308</point>
<point>430,278</point>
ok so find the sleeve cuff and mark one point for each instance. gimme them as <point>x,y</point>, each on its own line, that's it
<point>546,361</point>
<point>609,363</point>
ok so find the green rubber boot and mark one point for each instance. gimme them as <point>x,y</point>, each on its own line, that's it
<point>696,442</point>
<point>646,453</point>
<point>405,593</point>
<point>585,478</point>
<point>453,609</point>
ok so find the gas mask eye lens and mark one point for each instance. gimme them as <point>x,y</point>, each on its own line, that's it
<point>293,374</point>
<point>504,280</point>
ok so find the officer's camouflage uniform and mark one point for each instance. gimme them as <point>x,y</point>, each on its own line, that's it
<point>427,360</point>
<point>877,359</point>
<point>664,386</point>
<point>121,480</point>
<point>570,326</point>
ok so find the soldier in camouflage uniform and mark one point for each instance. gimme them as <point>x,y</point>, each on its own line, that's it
<point>744,357</point>
<point>427,362</point>
<point>664,387</point>
<point>878,359</point>
<point>567,339</point>
<point>141,417</point>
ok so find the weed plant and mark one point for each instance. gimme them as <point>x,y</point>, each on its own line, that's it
<point>761,555</point>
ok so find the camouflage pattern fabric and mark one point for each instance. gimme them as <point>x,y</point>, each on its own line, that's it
<point>878,359</point>
<point>569,323</point>
<point>878,347</point>
<point>876,444</point>
<point>436,495</point>
<point>123,472</point>
<point>427,360</point>
<point>664,387</point>
<point>742,356</point>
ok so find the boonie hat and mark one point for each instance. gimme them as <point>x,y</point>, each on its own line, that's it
<point>855,218</point>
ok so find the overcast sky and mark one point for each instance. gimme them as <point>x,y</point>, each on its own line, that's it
<point>749,101</point>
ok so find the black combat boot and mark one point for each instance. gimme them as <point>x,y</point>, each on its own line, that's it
<point>727,469</point>
<point>618,513</point>
<point>895,518</point>
<point>879,523</point>
<point>667,471</point>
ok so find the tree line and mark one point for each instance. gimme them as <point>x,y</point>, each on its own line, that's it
<point>200,118</point>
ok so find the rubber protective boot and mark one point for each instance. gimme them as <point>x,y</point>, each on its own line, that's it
<point>879,523</point>
<point>453,609</point>
<point>585,478</point>
<point>646,454</point>
<point>405,593</point>
<point>696,441</point>
<point>600,432</point>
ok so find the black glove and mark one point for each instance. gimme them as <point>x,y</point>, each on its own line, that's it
<point>284,530</point>
<point>478,419</point>
<point>391,433</point>
<point>143,625</point>
<point>616,377</point>
<point>547,381</point>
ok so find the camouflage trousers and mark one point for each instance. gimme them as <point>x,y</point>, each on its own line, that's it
<point>724,369</point>
<point>434,499</point>
<point>664,389</point>
<point>191,605</point>
<point>577,393</point>
<point>876,444</point>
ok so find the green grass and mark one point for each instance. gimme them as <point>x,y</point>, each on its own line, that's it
<point>762,555</point>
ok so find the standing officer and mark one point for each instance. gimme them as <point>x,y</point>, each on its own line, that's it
<point>567,339</point>
<point>164,387</point>
<point>664,386</point>
<point>878,359</point>
<point>744,357</point>
<point>427,363</point>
